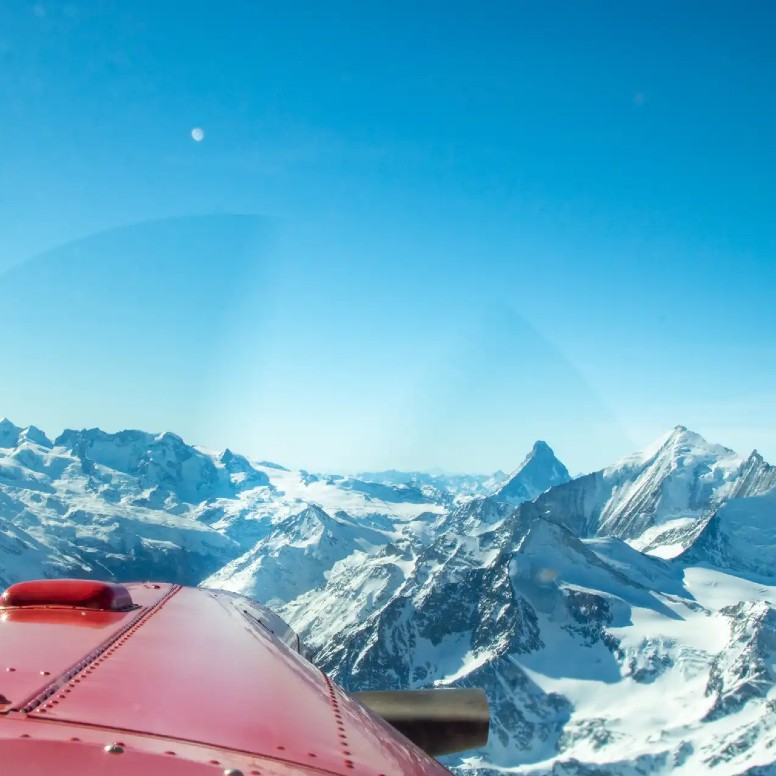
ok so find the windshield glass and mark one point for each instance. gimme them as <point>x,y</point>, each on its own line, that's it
<point>361,310</point>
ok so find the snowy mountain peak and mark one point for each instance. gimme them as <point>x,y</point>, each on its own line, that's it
<point>756,476</point>
<point>241,471</point>
<point>162,462</point>
<point>677,445</point>
<point>682,441</point>
<point>540,448</point>
<point>12,435</point>
<point>682,437</point>
<point>9,433</point>
<point>171,439</point>
<point>34,435</point>
<point>312,521</point>
<point>539,471</point>
<point>659,498</point>
<point>678,441</point>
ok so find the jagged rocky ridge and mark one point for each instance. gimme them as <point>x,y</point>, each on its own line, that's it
<point>539,471</point>
<point>621,622</point>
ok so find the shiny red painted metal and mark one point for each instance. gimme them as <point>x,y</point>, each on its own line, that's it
<point>41,647</point>
<point>81,593</point>
<point>36,748</point>
<point>189,671</point>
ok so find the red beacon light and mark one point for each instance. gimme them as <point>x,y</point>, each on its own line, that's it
<point>74,593</point>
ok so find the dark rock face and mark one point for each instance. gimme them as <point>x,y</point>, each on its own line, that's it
<point>740,536</point>
<point>745,670</point>
<point>474,599</point>
<point>589,615</point>
<point>755,477</point>
<point>652,660</point>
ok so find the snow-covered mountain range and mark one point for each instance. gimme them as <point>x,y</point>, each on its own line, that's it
<point>621,622</point>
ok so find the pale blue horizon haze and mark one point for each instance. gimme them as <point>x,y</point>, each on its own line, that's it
<point>409,235</point>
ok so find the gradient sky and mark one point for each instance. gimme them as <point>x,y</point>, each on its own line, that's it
<point>413,235</point>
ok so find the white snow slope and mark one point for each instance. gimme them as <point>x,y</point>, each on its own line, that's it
<point>623,622</point>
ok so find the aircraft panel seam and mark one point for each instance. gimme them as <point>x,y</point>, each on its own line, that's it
<point>67,682</point>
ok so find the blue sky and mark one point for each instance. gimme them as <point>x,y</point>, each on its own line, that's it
<point>413,235</point>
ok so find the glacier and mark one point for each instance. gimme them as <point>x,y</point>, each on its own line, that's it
<point>622,621</point>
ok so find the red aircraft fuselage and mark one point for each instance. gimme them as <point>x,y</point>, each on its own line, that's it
<point>153,679</point>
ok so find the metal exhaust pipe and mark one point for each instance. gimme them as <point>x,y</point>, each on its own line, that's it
<point>439,721</point>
